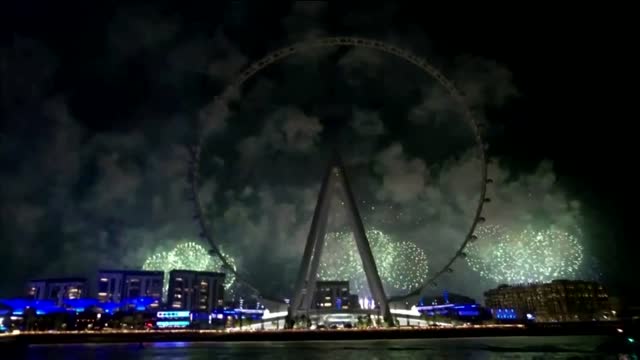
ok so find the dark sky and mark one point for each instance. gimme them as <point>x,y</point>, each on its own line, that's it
<point>97,99</point>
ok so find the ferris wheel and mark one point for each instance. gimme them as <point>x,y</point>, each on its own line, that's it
<point>195,151</point>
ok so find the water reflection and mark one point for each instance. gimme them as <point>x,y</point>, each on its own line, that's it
<point>479,348</point>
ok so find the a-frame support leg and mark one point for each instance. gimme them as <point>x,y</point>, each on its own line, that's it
<point>364,249</point>
<point>317,255</point>
<point>301,288</point>
<point>307,276</point>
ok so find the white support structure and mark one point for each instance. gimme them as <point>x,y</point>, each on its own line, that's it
<point>335,180</point>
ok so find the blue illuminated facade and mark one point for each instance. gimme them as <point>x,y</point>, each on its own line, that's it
<point>464,311</point>
<point>5,312</point>
<point>44,307</point>
<point>141,303</point>
<point>78,311</point>
<point>454,306</point>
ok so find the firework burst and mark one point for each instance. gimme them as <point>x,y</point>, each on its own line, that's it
<point>188,256</point>
<point>402,265</point>
<point>525,257</point>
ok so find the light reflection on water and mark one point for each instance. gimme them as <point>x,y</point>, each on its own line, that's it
<point>470,348</point>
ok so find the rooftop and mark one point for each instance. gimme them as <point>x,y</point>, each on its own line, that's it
<point>132,272</point>
<point>60,280</point>
<point>205,273</point>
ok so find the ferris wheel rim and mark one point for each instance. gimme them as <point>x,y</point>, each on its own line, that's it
<point>354,42</point>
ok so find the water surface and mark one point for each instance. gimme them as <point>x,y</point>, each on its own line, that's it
<point>578,347</point>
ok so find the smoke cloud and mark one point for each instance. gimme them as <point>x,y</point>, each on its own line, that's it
<point>81,198</point>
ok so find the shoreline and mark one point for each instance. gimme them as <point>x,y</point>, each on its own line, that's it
<point>27,339</point>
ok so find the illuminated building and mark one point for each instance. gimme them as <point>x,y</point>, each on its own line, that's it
<point>118,285</point>
<point>559,300</point>
<point>334,294</point>
<point>452,306</point>
<point>57,289</point>
<point>462,312</point>
<point>195,290</point>
<point>446,298</point>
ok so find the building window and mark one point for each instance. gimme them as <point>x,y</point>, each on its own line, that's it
<point>156,283</point>
<point>54,292</point>
<point>134,288</point>
<point>73,293</point>
<point>103,286</point>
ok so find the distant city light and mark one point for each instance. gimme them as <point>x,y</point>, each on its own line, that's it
<point>526,256</point>
<point>172,314</point>
<point>173,324</point>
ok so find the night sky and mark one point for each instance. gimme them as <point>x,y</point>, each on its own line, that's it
<point>98,101</point>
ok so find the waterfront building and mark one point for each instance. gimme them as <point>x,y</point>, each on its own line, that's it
<point>57,289</point>
<point>559,300</point>
<point>626,308</point>
<point>195,290</point>
<point>451,306</point>
<point>458,312</point>
<point>119,285</point>
<point>334,294</point>
<point>446,298</point>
